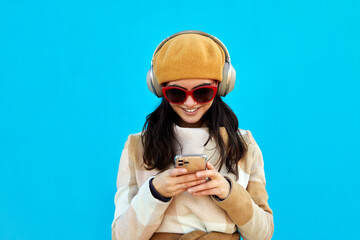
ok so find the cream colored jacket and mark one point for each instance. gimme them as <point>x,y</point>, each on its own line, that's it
<point>138,215</point>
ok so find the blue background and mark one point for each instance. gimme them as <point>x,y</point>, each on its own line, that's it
<point>72,87</point>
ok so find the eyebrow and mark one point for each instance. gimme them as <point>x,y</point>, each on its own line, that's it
<point>204,84</point>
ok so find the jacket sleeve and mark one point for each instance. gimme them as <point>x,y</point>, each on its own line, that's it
<point>249,208</point>
<point>137,213</point>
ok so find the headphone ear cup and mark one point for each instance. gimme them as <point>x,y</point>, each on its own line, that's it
<point>232,79</point>
<point>152,83</point>
<point>228,80</point>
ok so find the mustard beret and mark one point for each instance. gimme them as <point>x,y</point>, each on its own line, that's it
<point>189,56</point>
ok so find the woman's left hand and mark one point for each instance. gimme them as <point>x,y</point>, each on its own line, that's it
<point>217,185</point>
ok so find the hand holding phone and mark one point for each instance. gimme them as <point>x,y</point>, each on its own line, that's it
<point>192,162</point>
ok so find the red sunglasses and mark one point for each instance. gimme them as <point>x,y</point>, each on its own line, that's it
<point>177,95</point>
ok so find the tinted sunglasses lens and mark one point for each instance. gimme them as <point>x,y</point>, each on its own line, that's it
<point>175,95</point>
<point>203,95</point>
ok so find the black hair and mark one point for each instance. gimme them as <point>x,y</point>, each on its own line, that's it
<point>159,141</point>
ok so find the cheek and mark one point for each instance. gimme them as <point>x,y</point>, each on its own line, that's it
<point>177,109</point>
<point>173,106</point>
<point>208,105</point>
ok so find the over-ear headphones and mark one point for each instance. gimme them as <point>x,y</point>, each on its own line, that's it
<point>228,74</point>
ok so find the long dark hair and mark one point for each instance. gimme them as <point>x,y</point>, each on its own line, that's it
<point>159,141</point>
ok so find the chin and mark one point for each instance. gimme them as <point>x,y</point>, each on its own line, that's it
<point>184,122</point>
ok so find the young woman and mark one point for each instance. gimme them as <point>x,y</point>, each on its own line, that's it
<point>156,200</point>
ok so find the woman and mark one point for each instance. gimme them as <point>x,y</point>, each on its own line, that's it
<point>155,200</point>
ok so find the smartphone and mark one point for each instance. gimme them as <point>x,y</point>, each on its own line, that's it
<point>192,162</point>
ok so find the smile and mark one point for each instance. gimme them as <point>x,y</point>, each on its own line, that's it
<point>190,110</point>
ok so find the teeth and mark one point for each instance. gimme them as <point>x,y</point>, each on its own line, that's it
<point>190,110</point>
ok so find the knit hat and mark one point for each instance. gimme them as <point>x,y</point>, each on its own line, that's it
<point>189,56</point>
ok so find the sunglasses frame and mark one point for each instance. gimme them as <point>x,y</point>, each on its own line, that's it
<point>164,89</point>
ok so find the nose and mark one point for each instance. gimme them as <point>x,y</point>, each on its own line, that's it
<point>189,101</point>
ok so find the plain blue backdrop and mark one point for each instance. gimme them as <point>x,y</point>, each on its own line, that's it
<point>72,88</point>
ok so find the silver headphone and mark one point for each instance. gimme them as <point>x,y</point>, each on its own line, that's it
<point>228,75</point>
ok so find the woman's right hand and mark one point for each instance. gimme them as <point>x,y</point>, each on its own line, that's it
<point>175,181</point>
